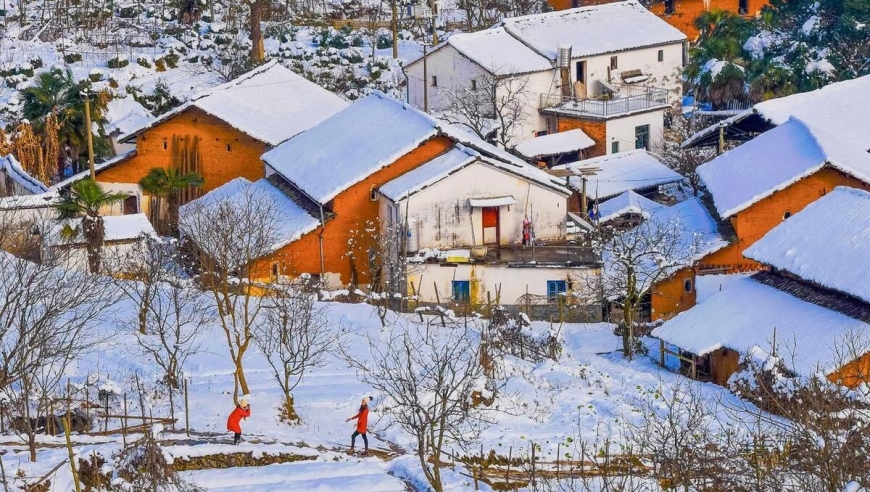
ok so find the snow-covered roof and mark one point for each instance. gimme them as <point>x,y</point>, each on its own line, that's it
<point>593,30</point>
<point>775,160</point>
<point>97,168</point>
<point>746,314</point>
<point>840,108</point>
<point>429,173</point>
<point>554,143</point>
<point>118,228</point>
<point>498,52</point>
<point>827,243</point>
<point>708,286</point>
<point>13,169</point>
<point>350,146</point>
<point>626,203</point>
<point>291,220</point>
<point>698,227</point>
<point>367,136</point>
<point>621,172</point>
<point>269,103</point>
<point>18,202</point>
<point>125,115</point>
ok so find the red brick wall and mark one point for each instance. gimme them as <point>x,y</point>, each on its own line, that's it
<point>352,207</point>
<point>218,165</point>
<point>670,297</point>
<point>596,130</point>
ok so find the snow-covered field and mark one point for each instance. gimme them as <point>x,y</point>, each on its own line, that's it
<point>583,396</point>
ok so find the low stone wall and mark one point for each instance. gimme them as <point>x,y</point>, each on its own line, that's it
<point>232,460</point>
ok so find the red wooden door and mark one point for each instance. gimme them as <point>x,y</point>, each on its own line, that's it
<point>490,219</point>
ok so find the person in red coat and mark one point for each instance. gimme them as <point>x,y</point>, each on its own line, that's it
<point>362,421</point>
<point>242,411</point>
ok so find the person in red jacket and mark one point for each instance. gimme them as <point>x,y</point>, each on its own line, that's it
<point>242,411</point>
<point>362,421</point>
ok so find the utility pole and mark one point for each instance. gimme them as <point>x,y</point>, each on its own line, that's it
<point>425,79</point>
<point>583,208</point>
<point>721,147</point>
<point>394,25</point>
<point>87,97</point>
<point>434,29</point>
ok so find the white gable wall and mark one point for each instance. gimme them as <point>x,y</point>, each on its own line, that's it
<point>442,218</point>
<point>455,72</point>
<point>664,74</point>
<point>623,130</point>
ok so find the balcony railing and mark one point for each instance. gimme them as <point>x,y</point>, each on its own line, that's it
<point>629,99</point>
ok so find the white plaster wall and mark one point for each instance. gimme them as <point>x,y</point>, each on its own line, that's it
<point>664,74</point>
<point>443,218</point>
<point>131,189</point>
<point>76,256</point>
<point>513,282</point>
<point>623,130</point>
<point>452,70</point>
<point>535,84</point>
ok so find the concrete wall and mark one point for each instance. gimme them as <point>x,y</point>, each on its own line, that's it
<point>622,130</point>
<point>513,283</point>
<point>454,72</point>
<point>664,74</point>
<point>440,214</point>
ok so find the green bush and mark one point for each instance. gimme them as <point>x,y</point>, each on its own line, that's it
<point>143,62</point>
<point>118,62</point>
<point>171,59</point>
<point>36,62</point>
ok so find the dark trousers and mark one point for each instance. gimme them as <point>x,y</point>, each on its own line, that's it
<point>358,433</point>
<point>236,437</point>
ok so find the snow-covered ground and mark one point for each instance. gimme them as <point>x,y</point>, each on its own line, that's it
<point>584,395</point>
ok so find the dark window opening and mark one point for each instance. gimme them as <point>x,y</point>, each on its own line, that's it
<point>461,290</point>
<point>743,7</point>
<point>661,55</point>
<point>613,63</point>
<point>687,285</point>
<point>555,288</point>
<point>131,205</point>
<point>165,145</point>
<point>275,270</point>
<point>473,85</point>
<point>373,194</point>
<point>786,215</point>
<point>434,81</point>
<point>641,137</point>
<point>614,147</point>
<point>229,148</point>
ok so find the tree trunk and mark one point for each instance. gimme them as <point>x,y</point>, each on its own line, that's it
<point>289,411</point>
<point>257,50</point>
<point>172,213</point>
<point>92,228</point>
<point>240,378</point>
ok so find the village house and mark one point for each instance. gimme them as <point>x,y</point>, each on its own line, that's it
<point>626,210</point>
<point>680,13</point>
<point>808,310</point>
<point>840,108</point>
<point>762,183</point>
<point>483,230</point>
<point>64,243</point>
<point>699,236</point>
<point>14,180</point>
<point>611,71</point>
<point>333,172</point>
<point>220,134</point>
<point>602,178</point>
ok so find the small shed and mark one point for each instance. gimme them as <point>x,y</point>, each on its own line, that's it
<point>555,148</point>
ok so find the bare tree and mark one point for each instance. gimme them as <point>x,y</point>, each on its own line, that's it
<point>377,256</point>
<point>231,234</point>
<point>821,428</point>
<point>636,260</point>
<point>293,336</point>
<point>172,312</point>
<point>492,103</point>
<point>47,316</point>
<point>685,160</point>
<point>429,376</point>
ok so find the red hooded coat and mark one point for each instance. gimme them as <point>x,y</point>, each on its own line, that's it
<point>236,417</point>
<point>362,419</point>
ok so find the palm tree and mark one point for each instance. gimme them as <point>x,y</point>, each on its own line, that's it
<point>169,183</point>
<point>84,201</point>
<point>57,91</point>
